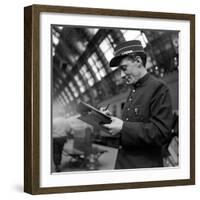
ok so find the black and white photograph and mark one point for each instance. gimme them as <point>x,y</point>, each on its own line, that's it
<point>111,104</point>
<point>114,98</point>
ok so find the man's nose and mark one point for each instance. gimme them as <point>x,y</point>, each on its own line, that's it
<point>122,74</point>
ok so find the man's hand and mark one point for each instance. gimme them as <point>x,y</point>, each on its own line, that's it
<point>115,126</point>
<point>105,110</point>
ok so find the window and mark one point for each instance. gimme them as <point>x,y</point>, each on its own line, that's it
<point>53,50</point>
<point>69,94</point>
<point>107,49</point>
<point>60,27</point>
<point>97,66</point>
<point>65,97</point>
<point>56,85</point>
<point>81,46</point>
<point>87,76</point>
<point>93,31</point>
<point>55,37</point>
<point>61,100</point>
<point>60,81</point>
<point>135,35</point>
<point>55,40</point>
<point>79,83</point>
<point>73,58</point>
<point>72,87</point>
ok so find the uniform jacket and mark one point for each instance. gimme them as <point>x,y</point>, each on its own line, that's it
<point>147,117</point>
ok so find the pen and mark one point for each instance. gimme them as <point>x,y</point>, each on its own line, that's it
<point>106,108</point>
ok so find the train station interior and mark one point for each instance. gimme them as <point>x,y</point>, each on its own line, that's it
<point>81,72</point>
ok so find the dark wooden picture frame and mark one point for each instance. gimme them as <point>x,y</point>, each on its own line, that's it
<point>32,98</point>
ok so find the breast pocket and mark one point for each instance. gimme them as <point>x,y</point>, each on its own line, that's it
<point>138,112</point>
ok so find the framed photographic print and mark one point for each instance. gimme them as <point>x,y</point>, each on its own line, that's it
<point>109,99</point>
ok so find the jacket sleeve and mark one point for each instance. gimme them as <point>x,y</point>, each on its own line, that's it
<point>158,128</point>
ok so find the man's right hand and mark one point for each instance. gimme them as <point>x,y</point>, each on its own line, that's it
<point>105,111</point>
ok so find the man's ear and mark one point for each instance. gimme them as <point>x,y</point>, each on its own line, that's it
<point>138,59</point>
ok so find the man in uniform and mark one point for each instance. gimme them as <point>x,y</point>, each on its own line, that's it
<point>147,115</point>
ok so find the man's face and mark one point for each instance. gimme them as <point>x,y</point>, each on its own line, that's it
<point>130,70</point>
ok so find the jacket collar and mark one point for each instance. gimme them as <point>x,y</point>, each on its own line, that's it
<point>142,80</point>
